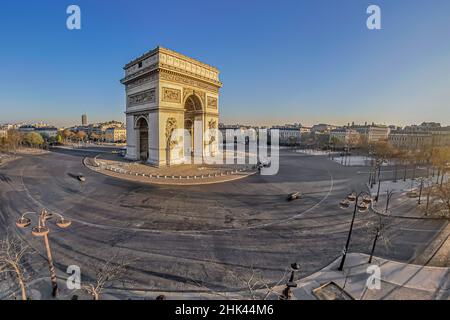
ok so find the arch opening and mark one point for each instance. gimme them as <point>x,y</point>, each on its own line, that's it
<point>193,112</point>
<point>142,127</point>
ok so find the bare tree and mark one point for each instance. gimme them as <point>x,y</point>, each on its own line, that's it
<point>440,158</point>
<point>257,286</point>
<point>395,157</point>
<point>253,282</point>
<point>14,140</point>
<point>377,229</point>
<point>441,200</point>
<point>81,135</point>
<point>108,272</point>
<point>12,253</point>
<point>94,136</point>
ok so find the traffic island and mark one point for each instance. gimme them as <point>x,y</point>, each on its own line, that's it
<point>184,174</point>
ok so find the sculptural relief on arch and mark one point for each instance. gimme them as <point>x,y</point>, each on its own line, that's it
<point>172,108</point>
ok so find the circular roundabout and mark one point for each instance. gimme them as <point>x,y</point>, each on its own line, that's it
<point>193,238</point>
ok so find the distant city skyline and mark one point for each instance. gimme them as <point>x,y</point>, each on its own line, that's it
<point>366,122</point>
<point>315,62</point>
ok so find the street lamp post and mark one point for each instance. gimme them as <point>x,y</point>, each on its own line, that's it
<point>374,170</point>
<point>420,191</point>
<point>377,234</point>
<point>291,284</point>
<point>379,187</point>
<point>42,230</point>
<point>362,207</point>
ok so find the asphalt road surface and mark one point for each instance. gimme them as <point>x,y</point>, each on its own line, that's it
<point>199,238</point>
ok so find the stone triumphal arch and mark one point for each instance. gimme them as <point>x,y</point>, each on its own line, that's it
<point>168,93</point>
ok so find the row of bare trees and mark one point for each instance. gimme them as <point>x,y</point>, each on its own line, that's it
<point>71,136</point>
<point>14,254</point>
<point>434,185</point>
<point>16,139</point>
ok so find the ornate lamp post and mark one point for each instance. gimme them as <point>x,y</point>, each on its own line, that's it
<point>291,284</point>
<point>362,206</point>
<point>379,164</point>
<point>421,189</point>
<point>42,230</point>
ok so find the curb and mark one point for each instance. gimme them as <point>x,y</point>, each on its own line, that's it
<point>167,179</point>
<point>380,213</point>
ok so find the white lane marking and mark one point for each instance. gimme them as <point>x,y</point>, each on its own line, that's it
<point>192,232</point>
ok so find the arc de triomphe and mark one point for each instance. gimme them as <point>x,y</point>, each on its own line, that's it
<point>166,91</point>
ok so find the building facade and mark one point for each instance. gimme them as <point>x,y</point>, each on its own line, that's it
<point>3,133</point>
<point>114,135</point>
<point>345,136</point>
<point>47,132</point>
<point>288,134</point>
<point>168,92</point>
<point>305,130</point>
<point>412,140</point>
<point>441,136</point>
<point>97,128</point>
<point>44,131</point>
<point>373,133</point>
<point>427,134</point>
<point>84,120</point>
<point>322,128</point>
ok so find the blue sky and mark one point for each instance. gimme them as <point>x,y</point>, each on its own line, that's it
<point>304,61</point>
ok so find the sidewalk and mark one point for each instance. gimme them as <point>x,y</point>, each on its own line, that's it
<point>11,156</point>
<point>403,186</point>
<point>6,158</point>
<point>398,280</point>
<point>40,289</point>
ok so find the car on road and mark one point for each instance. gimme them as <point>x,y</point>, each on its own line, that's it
<point>263,164</point>
<point>81,178</point>
<point>266,164</point>
<point>294,196</point>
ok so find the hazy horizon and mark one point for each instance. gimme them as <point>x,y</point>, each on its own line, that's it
<point>269,123</point>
